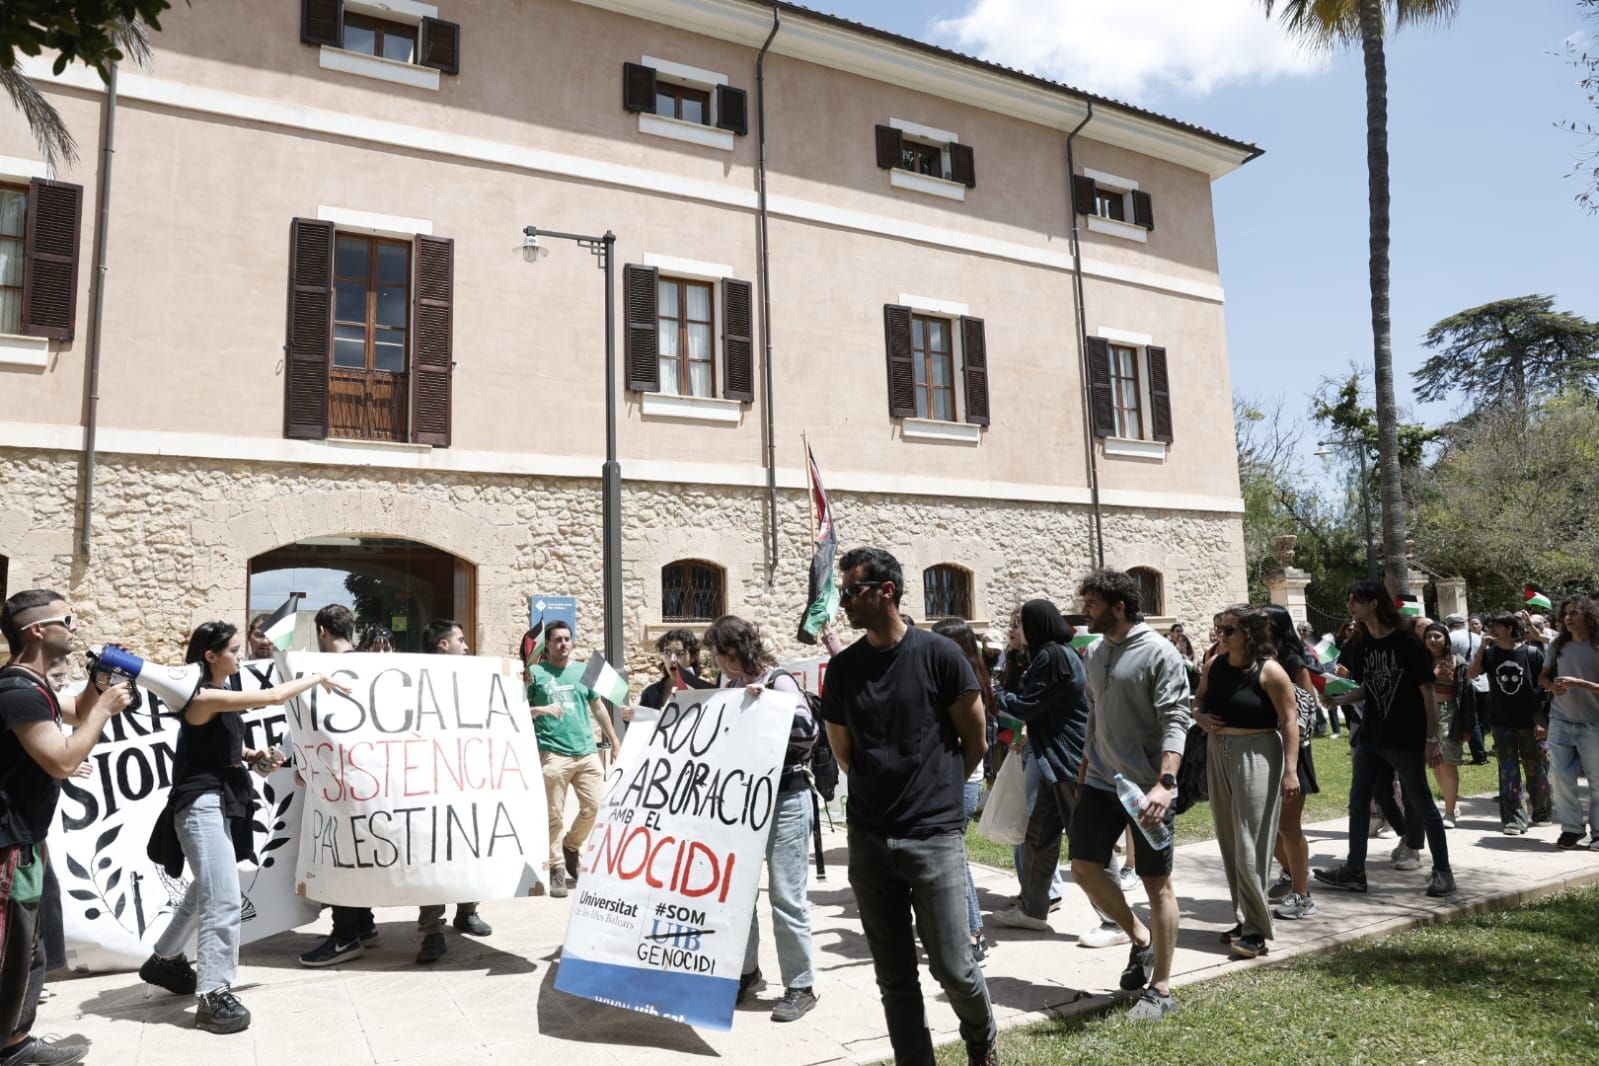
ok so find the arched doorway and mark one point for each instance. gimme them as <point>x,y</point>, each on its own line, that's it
<point>399,584</point>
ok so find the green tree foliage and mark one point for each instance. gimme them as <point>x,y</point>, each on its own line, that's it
<point>1514,496</point>
<point>1509,351</point>
<point>81,31</point>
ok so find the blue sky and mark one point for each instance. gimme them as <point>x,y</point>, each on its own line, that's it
<point>1481,205</point>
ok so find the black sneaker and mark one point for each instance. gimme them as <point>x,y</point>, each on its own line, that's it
<point>432,949</point>
<point>1342,877</point>
<point>748,983</point>
<point>1440,884</point>
<point>473,925</point>
<point>558,883</point>
<point>1232,934</point>
<point>331,952</point>
<point>1249,946</point>
<point>795,1004</point>
<point>1140,967</point>
<point>174,975</point>
<point>980,949</point>
<point>572,856</point>
<point>1152,1006</point>
<point>221,1012</point>
<point>1567,842</point>
<point>36,1051</point>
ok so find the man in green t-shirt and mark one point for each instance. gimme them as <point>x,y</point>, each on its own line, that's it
<point>564,714</point>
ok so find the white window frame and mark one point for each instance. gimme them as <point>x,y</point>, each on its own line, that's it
<point>1098,223</point>
<point>682,75</point>
<point>671,407</point>
<point>916,133</point>
<point>1145,447</point>
<point>16,349</point>
<point>936,430</point>
<point>390,70</point>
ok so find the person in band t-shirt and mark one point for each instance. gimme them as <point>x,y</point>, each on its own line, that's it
<point>1520,723</point>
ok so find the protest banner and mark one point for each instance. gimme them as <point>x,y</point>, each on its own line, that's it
<point>422,786</point>
<point>669,872</point>
<point>115,902</point>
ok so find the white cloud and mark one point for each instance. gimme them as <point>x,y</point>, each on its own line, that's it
<point>1131,49</point>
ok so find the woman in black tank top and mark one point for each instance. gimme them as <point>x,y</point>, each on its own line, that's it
<point>207,823</point>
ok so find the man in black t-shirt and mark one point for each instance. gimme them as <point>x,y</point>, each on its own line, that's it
<point>905,720</point>
<point>1520,721</point>
<point>1400,729</point>
<point>35,757</point>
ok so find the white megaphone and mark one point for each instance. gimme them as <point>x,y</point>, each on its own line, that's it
<point>174,686</point>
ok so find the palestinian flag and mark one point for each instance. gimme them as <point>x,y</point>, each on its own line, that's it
<point>601,678</point>
<point>821,602</point>
<point>1409,606</point>
<point>1326,651</point>
<point>533,643</point>
<point>279,627</point>
<point>1337,686</point>
<point>1536,600</point>
<point>1085,640</point>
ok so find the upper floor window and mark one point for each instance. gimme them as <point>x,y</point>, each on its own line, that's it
<point>1110,203</point>
<point>908,148</point>
<point>1114,205</point>
<point>687,337</point>
<point>1150,590</point>
<point>923,158</point>
<point>13,219</point>
<point>399,35</point>
<point>380,37</point>
<point>947,591</point>
<point>692,590</point>
<point>933,367</point>
<point>685,103</point>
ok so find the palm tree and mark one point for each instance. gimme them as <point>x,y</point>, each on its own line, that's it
<point>1329,24</point>
<point>56,142</point>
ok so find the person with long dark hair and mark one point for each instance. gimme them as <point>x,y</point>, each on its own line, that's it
<point>1452,688</point>
<point>965,639</point>
<point>1572,674</point>
<point>208,816</point>
<point>1292,849</point>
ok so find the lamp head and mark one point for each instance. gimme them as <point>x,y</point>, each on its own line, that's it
<point>1323,452</point>
<point>532,250</point>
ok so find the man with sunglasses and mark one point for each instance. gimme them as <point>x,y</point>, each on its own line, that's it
<point>35,757</point>
<point>905,720</point>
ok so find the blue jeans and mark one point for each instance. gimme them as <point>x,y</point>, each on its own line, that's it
<point>1033,775</point>
<point>787,879</point>
<point>896,880</point>
<point>212,902</point>
<point>974,913</point>
<point>1410,767</point>
<point>1573,745</point>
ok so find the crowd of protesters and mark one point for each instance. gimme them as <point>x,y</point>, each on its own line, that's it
<point>1104,712</point>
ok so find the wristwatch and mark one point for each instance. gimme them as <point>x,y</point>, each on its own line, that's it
<point>1168,781</point>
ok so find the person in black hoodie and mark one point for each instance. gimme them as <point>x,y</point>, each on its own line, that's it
<point>1052,700</point>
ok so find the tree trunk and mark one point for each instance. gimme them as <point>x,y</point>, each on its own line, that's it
<point>1396,566</point>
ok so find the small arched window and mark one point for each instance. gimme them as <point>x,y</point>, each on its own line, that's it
<point>1150,589</point>
<point>947,591</point>
<point>692,590</point>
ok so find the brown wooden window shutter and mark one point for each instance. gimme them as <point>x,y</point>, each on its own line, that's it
<point>732,110</point>
<point>974,367</point>
<point>890,146</point>
<point>441,45</point>
<point>1084,195</point>
<point>1159,394</point>
<point>901,361</point>
<point>738,340</point>
<point>433,365</point>
<point>50,259</point>
<point>962,166</point>
<point>638,87</point>
<point>321,22</point>
<point>1143,210</point>
<point>640,300</point>
<point>306,353</point>
<point>1101,395</point>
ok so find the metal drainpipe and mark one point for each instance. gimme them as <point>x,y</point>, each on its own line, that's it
<point>97,310</point>
<point>1096,540</point>
<point>766,297</point>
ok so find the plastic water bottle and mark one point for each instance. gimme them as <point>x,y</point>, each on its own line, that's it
<point>1132,797</point>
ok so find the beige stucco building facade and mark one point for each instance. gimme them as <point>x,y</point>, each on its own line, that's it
<point>923,280</point>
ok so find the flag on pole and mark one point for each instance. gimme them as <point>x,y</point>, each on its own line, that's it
<point>821,602</point>
<point>533,643</point>
<point>1536,600</point>
<point>602,679</point>
<point>279,626</point>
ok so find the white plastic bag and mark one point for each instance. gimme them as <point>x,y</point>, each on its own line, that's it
<point>1004,819</point>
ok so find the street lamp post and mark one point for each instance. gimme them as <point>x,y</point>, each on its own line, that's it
<point>1365,495</point>
<point>603,248</point>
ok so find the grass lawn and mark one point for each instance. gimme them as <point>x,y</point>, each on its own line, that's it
<point>1514,987</point>
<point>1332,774</point>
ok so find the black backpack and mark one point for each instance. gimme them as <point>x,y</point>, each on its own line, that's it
<point>823,767</point>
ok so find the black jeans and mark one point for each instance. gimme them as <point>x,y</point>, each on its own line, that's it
<point>21,970</point>
<point>350,922</point>
<point>1406,823</point>
<point>1411,769</point>
<point>896,879</point>
<point>1052,815</point>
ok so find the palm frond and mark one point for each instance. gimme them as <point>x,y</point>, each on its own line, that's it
<point>133,41</point>
<point>55,141</point>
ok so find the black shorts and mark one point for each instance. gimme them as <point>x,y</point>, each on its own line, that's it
<point>1097,826</point>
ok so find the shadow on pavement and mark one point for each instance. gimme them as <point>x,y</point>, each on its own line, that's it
<point>395,949</point>
<point>566,1017</point>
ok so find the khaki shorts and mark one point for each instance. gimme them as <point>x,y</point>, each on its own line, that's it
<point>1454,751</point>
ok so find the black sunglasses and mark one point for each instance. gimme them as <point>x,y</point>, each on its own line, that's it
<point>849,592</point>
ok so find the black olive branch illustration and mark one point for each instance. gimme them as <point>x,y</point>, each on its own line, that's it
<point>101,892</point>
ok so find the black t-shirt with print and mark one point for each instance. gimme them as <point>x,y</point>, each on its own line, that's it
<point>1513,681</point>
<point>28,795</point>
<point>907,776</point>
<point>1392,670</point>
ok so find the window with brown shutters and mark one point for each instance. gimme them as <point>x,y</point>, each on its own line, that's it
<point>648,91</point>
<point>1129,391</point>
<point>640,303</point>
<point>310,323</point>
<point>901,359</point>
<point>738,340</point>
<point>947,160</point>
<point>427,42</point>
<point>435,328</point>
<point>52,236</point>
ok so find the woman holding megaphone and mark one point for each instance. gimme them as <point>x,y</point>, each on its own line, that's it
<point>207,821</point>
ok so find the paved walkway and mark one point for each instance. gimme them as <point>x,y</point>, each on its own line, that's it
<point>494,999</point>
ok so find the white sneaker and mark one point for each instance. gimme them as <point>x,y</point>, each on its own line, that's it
<point>1104,935</point>
<point>1016,918</point>
<point>1295,906</point>
<point>1406,858</point>
<point>1449,819</point>
<point>1127,880</point>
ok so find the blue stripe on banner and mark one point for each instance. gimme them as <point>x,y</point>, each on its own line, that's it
<point>695,999</point>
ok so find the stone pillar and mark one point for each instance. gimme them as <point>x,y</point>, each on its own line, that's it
<point>1416,585</point>
<point>1452,597</point>
<point>1287,586</point>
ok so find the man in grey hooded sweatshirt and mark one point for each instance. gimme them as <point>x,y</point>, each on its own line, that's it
<point>1137,725</point>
